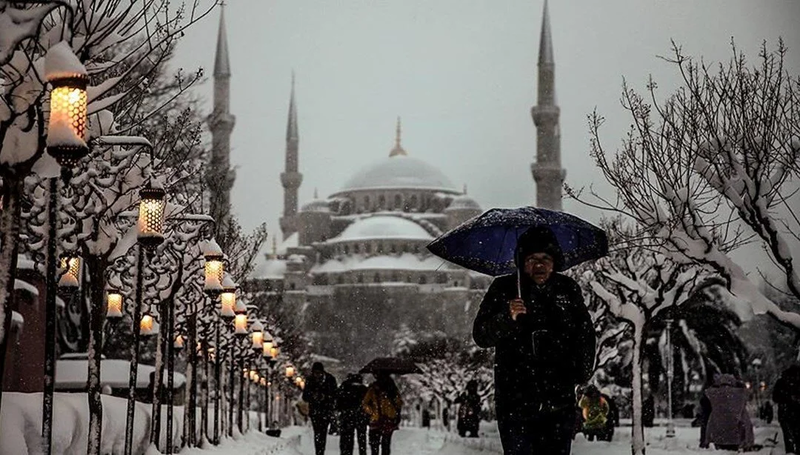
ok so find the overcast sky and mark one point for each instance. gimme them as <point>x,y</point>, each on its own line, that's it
<point>460,73</point>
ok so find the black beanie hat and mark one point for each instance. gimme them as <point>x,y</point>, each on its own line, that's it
<point>539,239</point>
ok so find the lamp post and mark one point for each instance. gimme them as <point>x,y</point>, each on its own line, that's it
<point>214,270</point>
<point>757,367</point>
<point>240,332</point>
<point>228,303</point>
<point>670,373</point>
<point>66,142</point>
<point>150,225</point>
<point>177,347</point>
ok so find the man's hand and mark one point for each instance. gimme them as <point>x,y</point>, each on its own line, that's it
<point>517,307</point>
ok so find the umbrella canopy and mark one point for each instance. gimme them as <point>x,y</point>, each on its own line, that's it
<point>487,243</point>
<point>391,365</point>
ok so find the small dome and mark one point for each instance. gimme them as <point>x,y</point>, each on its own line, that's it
<point>400,171</point>
<point>271,269</point>
<point>463,202</point>
<point>317,205</point>
<point>383,227</point>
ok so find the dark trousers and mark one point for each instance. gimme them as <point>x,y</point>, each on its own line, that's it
<point>790,426</point>
<point>320,426</point>
<point>534,433</point>
<point>380,442</point>
<point>347,431</point>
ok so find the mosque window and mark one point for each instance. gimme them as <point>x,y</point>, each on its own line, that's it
<point>376,278</point>
<point>366,203</point>
<point>292,286</point>
<point>360,278</point>
<point>393,248</point>
<point>398,201</point>
<point>346,249</point>
<point>382,202</point>
<point>357,248</point>
<point>379,248</point>
<point>423,279</point>
<point>441,278</point>
<point>395,277</point>
<point>412,203</point>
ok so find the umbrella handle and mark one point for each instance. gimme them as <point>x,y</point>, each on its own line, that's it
<point>519,284</point>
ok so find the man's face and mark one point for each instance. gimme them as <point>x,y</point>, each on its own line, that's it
<point>318,374</point>
<point>539,267</point>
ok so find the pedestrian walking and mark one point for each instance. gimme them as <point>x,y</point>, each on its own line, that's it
<point>320,394</point>
<point>544,346</point>
<point>469,411</point>
<point>786,394</point>
<point>729,426</point>
<point>613,416</point>
<point>352,419</point>
<point>383,404</point>
<point>595,410</point>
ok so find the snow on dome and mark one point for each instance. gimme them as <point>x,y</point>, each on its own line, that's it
<point>399,171</point>
<point>406,261</point>
<point>463,202</point>
<point>383,227</point>
<point>271,269</point>
<point>317,205</point>
<point>60,62</point>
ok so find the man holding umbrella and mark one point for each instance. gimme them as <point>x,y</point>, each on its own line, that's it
<point>544,346</point>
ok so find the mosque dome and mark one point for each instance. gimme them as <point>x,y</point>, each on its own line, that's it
<point>316,205</point>
<point>463,202</point>
<point>383,227</point>
<point>399,172</point>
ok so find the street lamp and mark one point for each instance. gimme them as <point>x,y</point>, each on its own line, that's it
<point>66,130</point>
<point>114,304</point>
<point>289,371</point>
<point>70,279</point>
<point>257,335</point>
<point>179,343</point>
<point>146,325</point>
<point>214,268</point>
<point>151,216</point>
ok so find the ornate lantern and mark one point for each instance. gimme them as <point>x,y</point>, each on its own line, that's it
<point>146,325</point>
<point>289,371</point>
<point>151,216</point>
<point>240,325</point>
<point>274,352</point>
<point>114,305</point>
<point>227,297</point>
<point>66,130</point>
<point>214,268</point>
<point>179,342</point>
<point>266,349</point>
<point>70,280</point>
<point>257,334</point>
<point>253,374</point>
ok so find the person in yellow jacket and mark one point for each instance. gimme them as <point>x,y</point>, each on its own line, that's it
<point>595,412</point>
<point>382,403</point>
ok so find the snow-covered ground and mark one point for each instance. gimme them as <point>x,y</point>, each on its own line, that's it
<point>20,429</point>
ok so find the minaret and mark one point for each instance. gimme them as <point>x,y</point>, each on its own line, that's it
<point>220,176</point>
<point>547,171</point>
<point>291,178</point>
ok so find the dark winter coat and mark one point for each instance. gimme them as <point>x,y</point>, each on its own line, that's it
<point>348,402</point>
<point>541,357</point>
<point>320,396</point>
<point>729,422</point>
<point>787,393</point>
<point>470,410</point>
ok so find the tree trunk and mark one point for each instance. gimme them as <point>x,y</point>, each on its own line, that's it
<point>137,335</point>
<point>637,440</point>
<point>9,236</point>
<point>96,266</point>
<point>155,429</point>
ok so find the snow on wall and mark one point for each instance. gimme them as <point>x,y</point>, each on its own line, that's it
<point>71,374</point>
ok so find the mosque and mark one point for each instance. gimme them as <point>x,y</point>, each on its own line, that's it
<point>354,264</point>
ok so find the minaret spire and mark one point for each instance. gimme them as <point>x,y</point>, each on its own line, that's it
<point>546,170</point>
<point>291,178</point>
<point>398,148</point>
<point>221,122</point>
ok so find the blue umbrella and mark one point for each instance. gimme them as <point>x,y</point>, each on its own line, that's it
<point>487,243</point>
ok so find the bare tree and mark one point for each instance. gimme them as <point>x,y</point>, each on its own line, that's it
<point>714,167</point>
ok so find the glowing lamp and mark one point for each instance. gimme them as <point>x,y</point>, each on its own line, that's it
<point>253,375</point>
<point>151,216</point>
<point>274,352</point>
<point>298,380</point>
<point>240,324</point>
<point>263,382</point>
<point>228,297</point>
<point>257,335</point>
<point>146,325</point>
<point>179,343</point>
<point>289,371</point>
<point>114,305</point>
<point>214,268</point>
<point>66,130</point>
<point>266,349</point>
<point>70,280</point>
